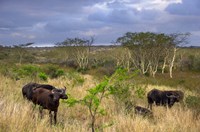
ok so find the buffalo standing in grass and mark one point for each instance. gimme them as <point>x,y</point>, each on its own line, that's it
<point>178,94</point>
<point>27,90</point>
<point>164,98</point>
<point>48,99</point>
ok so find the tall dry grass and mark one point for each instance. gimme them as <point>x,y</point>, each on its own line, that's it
<point>19,115</point>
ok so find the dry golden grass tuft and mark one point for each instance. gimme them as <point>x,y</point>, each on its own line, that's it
<point>19,115</point>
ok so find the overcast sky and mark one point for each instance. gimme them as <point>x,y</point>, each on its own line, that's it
<point>51,21</point>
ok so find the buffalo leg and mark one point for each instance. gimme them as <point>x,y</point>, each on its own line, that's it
<point>50,116</point>
<point>40,110</point>
<point>149,106</point>
<point>55,117</point>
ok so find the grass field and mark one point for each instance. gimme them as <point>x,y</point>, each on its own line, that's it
<point>19,115</point>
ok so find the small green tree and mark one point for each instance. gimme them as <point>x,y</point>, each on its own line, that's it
<point>95,95</point>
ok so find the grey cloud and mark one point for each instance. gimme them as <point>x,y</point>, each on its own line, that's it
<point>49,21</point>
<point>98,16</point>
<point>181,24</point>
<point>149,15</point>
<point>125,16</point>
<point>187,7</point>
<point>120,13</point>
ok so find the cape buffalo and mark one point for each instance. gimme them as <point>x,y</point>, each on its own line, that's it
<point>48,99</point>
<point>143,111</point>
<point>164,98</point>
<point>129,106</point>
<point>27,90</point>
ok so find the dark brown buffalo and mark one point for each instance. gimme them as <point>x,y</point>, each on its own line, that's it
<point>143,111</point>
<point>164,98</point>
<point>48,99</point>
<point>27,90</point>
<point>179,94</point>
<point>129,106</point>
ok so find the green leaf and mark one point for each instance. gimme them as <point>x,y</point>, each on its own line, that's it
<point>102,111</point>
<point>93,91</point>
<point>96,101</point>
<point>71,102</point>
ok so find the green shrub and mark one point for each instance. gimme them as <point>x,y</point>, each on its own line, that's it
<point>43,76</point>
<point>140,91</point>
<point>193,102</point>
<point>50,70</point>
<point>59,73</point>
<point>121,94</point>
<point>122,87</point>
<point>53,71</point>
<point>95,95</point>
<point>7,70</point>
<point>27,71</point>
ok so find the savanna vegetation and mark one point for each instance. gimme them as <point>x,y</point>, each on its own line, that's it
<point>100,80</point>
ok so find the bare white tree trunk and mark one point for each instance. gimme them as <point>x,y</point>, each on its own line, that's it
<point>20,56</point>
<point>164,65</point>
<point>144,68</point>
<point>123,58</point>
<point>154,69</point>
<point>172,62</point>
<point>82,57</point>
<point>129,59</point>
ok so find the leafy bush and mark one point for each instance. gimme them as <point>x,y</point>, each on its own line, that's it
<point>33,72</point>
<point>53,71</point>
<point>140,91</point>
<point>121,93</point>
<point>193,102</point>
<point>122,88</point>
<point>43,76</point>
<point>27,71</point>
<point>93,101</point>
<point>7,70</point>
<point>94,97</point>
<point>60,72</point>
